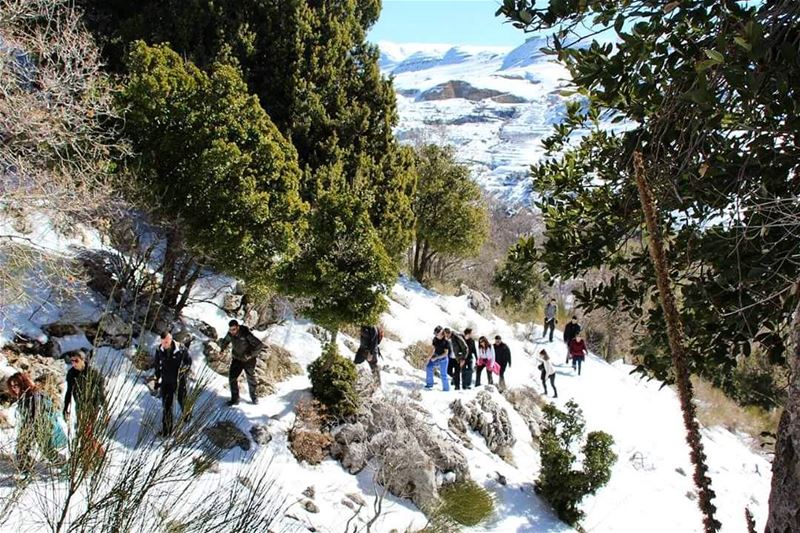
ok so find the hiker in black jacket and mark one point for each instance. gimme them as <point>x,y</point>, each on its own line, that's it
<point>245,348</point>
<point>502,354</point>
<point>172,365</point>
<point>571,330</point>
<point>469,361</point>
<point>369,350</point>
<point>458,356</point>
<point>85,386</point>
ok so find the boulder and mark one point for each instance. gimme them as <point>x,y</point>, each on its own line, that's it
<point>216,359</point>
<point>275,364</point>
<point>225,434</point>
<point>352,457</point>
<point>232,302</point>
<point>319,333</point>
<point>483,415</point>
<point>477,300</point>
<point>310,506</point>
<point>208,330</point>
<point>310,492</point>
<point>260,434</point>
<point>28,345</point>
<point>527,402</point>
<point>60,330</point>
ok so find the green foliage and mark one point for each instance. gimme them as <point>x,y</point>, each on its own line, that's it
<point>718,155</point>
<point>212,161</point>
<point>452,218</point>
<point>466,502</point>
<point>519,279</point>
<point>560,484</point>
<point>333,382</point>
<point>342,268</point>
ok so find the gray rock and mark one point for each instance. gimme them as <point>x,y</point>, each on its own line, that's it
<point>208,330</point>
<point>526,402</point>
<point>226,435</point>
<point>354,458</point>
<point>232,302</point>
<point>310,506</point>
<point>356,499</point>
<point>309,492</point>
<point>347,503</point>
<point>350,433</point>
<point>483,415</point>
<point>260,434</point>
<point>319,333</point>
<point>477,300</point>
<point>60,330</point>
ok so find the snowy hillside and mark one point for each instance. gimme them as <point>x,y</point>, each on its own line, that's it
<point>650,489</point>
<point>493,104</point>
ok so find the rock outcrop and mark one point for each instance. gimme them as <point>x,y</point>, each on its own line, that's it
<point>527,403</point>
<point>482,414</point>
<point>477,300</point>
<point>226,435</point>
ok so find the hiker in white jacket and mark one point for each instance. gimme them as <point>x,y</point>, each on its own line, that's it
<point>548,371</point>
<point>485,360</point>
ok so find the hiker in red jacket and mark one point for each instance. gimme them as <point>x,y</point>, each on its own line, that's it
<point>577,352</point>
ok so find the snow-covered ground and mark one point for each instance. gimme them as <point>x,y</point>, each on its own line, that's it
<point>650,489</point>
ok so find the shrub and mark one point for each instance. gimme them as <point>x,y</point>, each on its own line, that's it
<point>333,382</point>
<point>307,441</point>
<point>559,483</point>
<point>466,502</point>
<point>417,354</point>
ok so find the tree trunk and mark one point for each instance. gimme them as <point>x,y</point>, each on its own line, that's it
<point>187,290</point>
<point>676,346</point>
<point>784,498</point>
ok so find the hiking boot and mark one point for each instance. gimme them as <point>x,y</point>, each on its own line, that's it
<point>254,400</point>
<point>232,402</point>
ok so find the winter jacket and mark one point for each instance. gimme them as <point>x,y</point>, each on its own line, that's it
<point>502,354</point>
<point>472,350</point>
<point>244,346</point>
<point>577,348</point>
<point>369,339</point>
<point>86,388</point>
<point>548,367</point>
<point>571,330</point>
<point>171,363</point>
<point>550,311</point>
<point>460,348</point>
<point>486,357</point>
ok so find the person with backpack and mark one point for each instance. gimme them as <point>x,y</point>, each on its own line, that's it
<point>172,366</point>
<point>485,360</point>
<point>502,355</point>
<point>577,352</point>
<point>550,318</point>
<point>469,361</point>
<point>548,372</point>
<point>571,330</point>
<point>439,358</point>
<point>85,387</point>
<point>368,349</point>
<point>245,348</point>
<point>458,357</point>
<point>37,423</point>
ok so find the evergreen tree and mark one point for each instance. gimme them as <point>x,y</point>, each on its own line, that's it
<point>212,161</point>
<point>452,219</point>
<point>519,278</point>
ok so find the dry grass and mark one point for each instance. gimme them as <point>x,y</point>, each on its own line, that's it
<point>417,354</point>
<point>307,441</point>
<point>716,409</point>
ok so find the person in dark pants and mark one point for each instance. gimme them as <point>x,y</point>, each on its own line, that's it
<point>485,360</point>
<point>369,350</point>
<point>577,352</point>
<point>85,386</point>
<point>502,354</point>
<point>550,318</point>
<point>571,330</point>
<point>245,348</point>
<point>548,371</point>
<point>469,361</point>
<point>459,351</point>
<point>172,364</point>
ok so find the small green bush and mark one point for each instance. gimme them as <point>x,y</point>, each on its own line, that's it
<point>333,382</point>
<point>560,484</point>
<point>466,502</point>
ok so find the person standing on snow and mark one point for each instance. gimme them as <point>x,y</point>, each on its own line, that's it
<point>368,349</point>
<point>548,372</point>
<point>172,365</point>
<point>577,352</point>
<point>550,318</point>
<point>245,348</point>
<point>458,356</point>
<point>485,360</point>
<point>85,386</point>
<point>502,354</point>
<point>571,330</point>
<point>439,358</point>
<point>468,362</point>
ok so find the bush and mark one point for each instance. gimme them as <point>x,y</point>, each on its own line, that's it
<point>307,440</point>
<point>333,382</point>
<point>561,485</point>
<point>466,502</point>
<point>417,354</point>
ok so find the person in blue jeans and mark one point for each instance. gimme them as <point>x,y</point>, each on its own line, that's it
<point>439,357</point>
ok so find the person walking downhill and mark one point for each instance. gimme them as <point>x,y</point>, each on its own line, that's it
<point>245,348</point>
<point>439,358</point>
<point>502,354</point>
<point>458,358</point>
<point>172,365</point>
<point>86,387</point>
<point>485,360</point>
<point>469,361</point>
<point>577,352</point>
<point>548,372</point>
<point>550,318</point>
<point>571,330</point>
<point>369,351</point>
<point>37,423</point>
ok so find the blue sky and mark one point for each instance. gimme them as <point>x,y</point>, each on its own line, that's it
<point>444,21</point>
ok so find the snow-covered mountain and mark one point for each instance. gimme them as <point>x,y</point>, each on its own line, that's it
<point>494,104</point>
